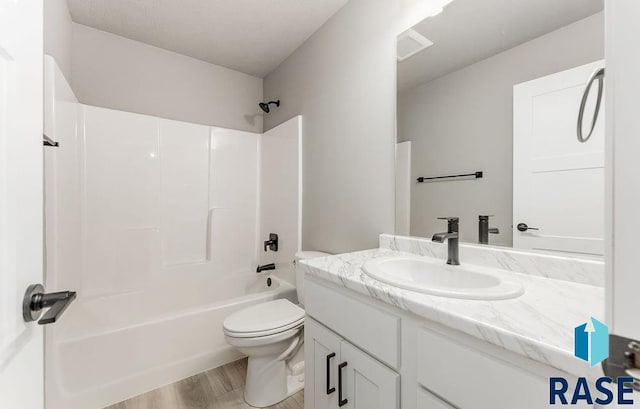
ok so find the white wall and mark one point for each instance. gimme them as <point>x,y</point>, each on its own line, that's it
<point>468,114</point>
<point>58,33</point>
<point>114,72</point>
<point>342,81</point>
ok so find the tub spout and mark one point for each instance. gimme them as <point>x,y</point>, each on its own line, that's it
<point>266,267</point>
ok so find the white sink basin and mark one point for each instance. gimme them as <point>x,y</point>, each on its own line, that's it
<point>431,276</point>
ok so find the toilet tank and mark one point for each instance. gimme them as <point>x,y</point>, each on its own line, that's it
<point>304,255</point>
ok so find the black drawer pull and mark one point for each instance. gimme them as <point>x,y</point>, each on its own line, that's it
<point>329,389</point>
<point>341,402</point>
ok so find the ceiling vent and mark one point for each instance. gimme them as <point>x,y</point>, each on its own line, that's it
<point>411,43</point>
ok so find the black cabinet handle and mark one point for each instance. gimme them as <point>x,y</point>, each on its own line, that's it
<point>329,357</point>
<point>341,402</point>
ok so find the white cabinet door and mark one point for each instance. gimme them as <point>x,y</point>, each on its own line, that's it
<point>321,355</point>
<point>558,182</point>
<point>21,203</point>
<point>366,383</point>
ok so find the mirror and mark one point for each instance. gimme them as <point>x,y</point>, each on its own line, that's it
<point>488,99</point>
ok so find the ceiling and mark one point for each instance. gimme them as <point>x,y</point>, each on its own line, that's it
<point>468,31</point>
<point>251,36</point>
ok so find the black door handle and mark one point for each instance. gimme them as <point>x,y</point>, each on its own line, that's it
<point>330,390</point>
<point>341,402</point>
<point>524,227</point>
<point>35,300</point>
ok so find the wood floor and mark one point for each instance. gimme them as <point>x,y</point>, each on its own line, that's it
<point>219,388</point>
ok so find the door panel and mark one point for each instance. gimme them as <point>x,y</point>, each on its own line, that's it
<point>322,354</point>
<point>21,237</point>
<point>367,383</point>
<point>558,182</point>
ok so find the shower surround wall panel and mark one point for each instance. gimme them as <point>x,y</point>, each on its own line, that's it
<point>184,223</point>
<point>234,198</point>
<point>155,224</point>
<point>162,196</point>
<point>281,194</point>
<point>62,201</point>
<point>121,194</point>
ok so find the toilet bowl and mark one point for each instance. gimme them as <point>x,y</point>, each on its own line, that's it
<point>270,334</point>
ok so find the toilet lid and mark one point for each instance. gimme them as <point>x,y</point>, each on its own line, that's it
<point>264,319</point>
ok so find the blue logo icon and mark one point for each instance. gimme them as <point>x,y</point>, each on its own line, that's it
<point>592,342</point>
<point>591,345</point>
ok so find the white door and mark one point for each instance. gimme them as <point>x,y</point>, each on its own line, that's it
<point>21,236</point>
<point>366,383</point>
<point>623,169</point>
<point>558,182</point>
<point>322,355</point>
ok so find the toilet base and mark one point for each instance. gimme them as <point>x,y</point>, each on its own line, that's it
<point>295,383</point>
<point>267,386</point>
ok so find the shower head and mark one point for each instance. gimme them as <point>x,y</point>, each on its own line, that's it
<point>265,105</point>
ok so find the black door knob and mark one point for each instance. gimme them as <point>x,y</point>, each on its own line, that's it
<point>524,227</point>
<point>35,301</point>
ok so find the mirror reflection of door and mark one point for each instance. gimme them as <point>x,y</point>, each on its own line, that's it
<point>558,182</point>
<point>456,106</point>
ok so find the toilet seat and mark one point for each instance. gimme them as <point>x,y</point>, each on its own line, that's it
<point>262,334</point>
<point>263,320</point>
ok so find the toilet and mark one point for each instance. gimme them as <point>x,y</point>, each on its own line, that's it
<point>271,334</point>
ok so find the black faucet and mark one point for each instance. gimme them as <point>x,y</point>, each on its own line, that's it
<point>452,237</point>
<point>266,267</point>
<point>272,243</point>
<point>484,230</point>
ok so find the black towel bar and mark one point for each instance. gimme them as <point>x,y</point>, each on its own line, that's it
<point>465,176</point>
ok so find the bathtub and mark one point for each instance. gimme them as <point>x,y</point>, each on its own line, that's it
<point>110,348</point>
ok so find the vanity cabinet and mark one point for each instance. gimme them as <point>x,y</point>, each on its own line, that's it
<point>372,355</point>
<point>339,375</point>
<point>474,376</point>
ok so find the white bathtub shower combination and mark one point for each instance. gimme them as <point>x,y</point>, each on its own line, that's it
<point>155,223</point>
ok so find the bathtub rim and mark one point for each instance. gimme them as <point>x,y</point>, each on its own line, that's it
<point>283,287</point>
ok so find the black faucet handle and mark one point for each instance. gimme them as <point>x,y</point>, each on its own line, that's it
<point>272,243</point>
<point>452,223</point>
<point>450,219</point>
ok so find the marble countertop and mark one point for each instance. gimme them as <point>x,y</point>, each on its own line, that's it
<point>538,324</point>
